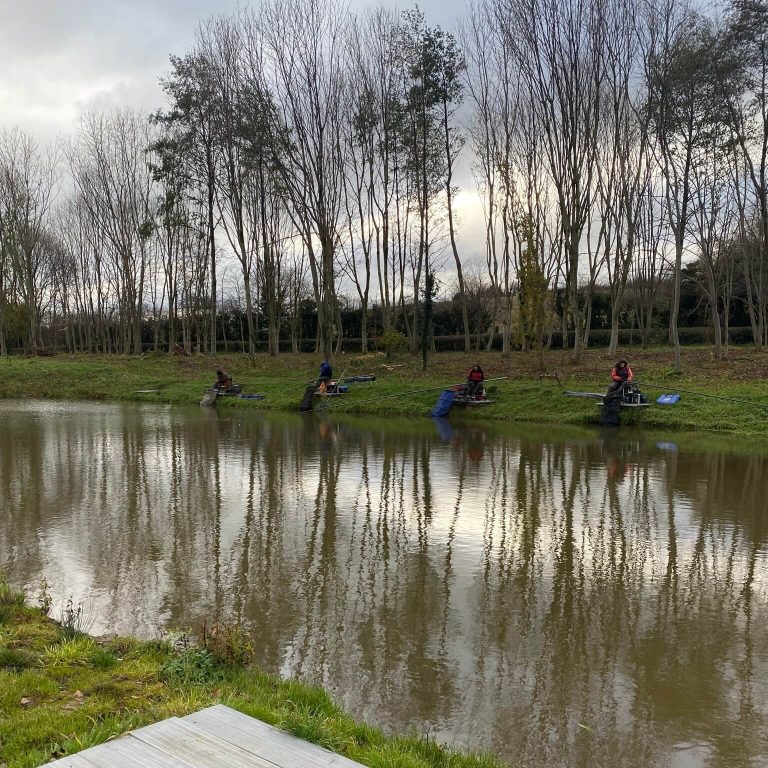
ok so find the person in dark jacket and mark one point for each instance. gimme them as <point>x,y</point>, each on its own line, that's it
<point>621,374</point>
<point>475,379</point>
<point>223,381</point>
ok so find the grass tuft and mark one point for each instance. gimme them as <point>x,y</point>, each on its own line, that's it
<point>10,601</point>
<point>76,651</point>
<point>196,666</point>
<point>16,659</point>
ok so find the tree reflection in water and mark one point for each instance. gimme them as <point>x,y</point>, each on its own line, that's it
<point>577,599</point>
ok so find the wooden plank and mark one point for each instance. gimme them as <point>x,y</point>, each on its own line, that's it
<point>216,737</point>
<point>127,752</point>
<point>259,738</point>
<point>201,749</point>
<point>274,745</point>
<point>71,761</point>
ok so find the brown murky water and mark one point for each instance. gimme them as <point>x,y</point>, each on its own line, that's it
<point>557,599</point>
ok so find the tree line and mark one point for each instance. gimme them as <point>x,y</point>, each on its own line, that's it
<point>306,161</point>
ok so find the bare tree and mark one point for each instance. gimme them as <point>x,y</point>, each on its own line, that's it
<point>192,121</point>
<point>740,64</point>
<point>486,59</point>
<point>712,225</point>
<point>559,50</point>
<point>362,179</point>
<point>680,94</point>
<point>449,66</point>
<point>27,188</point>
<point>304,71</point>
<point>237,123</point>
<point>626,166</point>
<point>650,267</point>
<point>112,174</point>
<point>424,56</point>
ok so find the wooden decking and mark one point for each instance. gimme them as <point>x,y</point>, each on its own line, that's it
<point>217,737</point>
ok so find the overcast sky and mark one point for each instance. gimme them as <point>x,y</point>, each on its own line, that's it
<point>60,58</point>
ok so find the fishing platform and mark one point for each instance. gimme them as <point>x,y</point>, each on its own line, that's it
<point>636,400</point>
<point>464,399</point>
<point>460,395</point>
<point>611,403</point>
<point>216,737</point>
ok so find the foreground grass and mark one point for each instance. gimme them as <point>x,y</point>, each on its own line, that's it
<point>525,395</point>
<point>61,691</point>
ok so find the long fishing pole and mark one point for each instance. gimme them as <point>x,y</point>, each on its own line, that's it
<point>402,394</point>
<point>746,401</point>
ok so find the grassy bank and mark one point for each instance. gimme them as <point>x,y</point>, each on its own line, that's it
<point>62,691</point>
<point>525,395</point>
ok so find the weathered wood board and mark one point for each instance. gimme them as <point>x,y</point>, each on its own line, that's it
<point>216,737</point>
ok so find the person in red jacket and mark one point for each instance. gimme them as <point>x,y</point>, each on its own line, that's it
<point>475,379</point>
<point>621,374</point>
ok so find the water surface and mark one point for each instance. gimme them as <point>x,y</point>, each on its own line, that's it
<point>556,598</point>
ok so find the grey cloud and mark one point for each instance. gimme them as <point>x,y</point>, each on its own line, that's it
<point>60,57</point>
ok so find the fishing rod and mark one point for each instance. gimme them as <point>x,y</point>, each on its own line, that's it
<point>746,401</point>
<point>402,394</point>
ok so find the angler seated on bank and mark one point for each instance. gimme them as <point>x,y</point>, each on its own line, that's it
<point>324,379</point>
<point>224,384</point>
<point>621,375</point>
<point>475,379</point>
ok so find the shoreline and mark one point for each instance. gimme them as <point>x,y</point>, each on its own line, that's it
<point>729,402</point>
<point>62,691</point>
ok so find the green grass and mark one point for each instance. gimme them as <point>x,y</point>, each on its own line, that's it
<point>523,396</point>
<point>60,694</point>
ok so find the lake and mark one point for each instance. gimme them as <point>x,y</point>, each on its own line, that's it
<point>556,598</point>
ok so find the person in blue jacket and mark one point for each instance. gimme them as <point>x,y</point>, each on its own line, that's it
<point>326,374</point>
